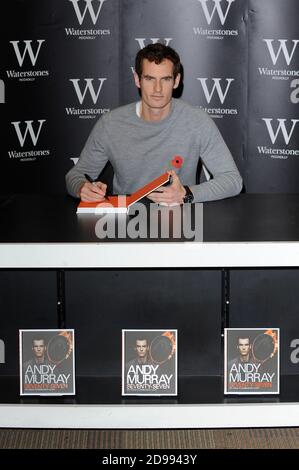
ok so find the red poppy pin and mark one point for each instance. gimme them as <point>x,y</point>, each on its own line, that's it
<point>177,161</point>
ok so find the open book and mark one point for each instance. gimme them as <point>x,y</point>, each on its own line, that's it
<point>121,204</point>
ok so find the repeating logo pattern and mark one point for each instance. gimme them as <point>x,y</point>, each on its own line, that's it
<point>280,64</point>
<point>61,75</point>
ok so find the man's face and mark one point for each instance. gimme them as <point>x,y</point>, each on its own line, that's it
<point>244,346</point>
<point>141,347</point>
<point>39,347</point>
<point>156,83</point>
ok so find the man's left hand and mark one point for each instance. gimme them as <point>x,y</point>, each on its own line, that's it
<point>174,193</point>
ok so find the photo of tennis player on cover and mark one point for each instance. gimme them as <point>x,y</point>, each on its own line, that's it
<point>251,360</point>
<point>149,362</point>
<point>47,362</point>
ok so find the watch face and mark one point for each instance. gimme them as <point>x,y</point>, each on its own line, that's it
<point>189,195</point>
<point>188,198</point>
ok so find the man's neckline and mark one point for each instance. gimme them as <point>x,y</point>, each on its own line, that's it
<point>138,114</point>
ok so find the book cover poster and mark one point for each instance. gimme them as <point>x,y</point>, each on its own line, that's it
<point>251,360</point>
<point>47,362</point>
<point>149,362</point>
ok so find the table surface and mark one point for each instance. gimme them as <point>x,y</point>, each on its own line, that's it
<point>250,230</point>
<point>245,218</point>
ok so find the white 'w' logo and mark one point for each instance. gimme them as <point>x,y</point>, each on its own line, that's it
<point>217,7</point>
<point>283,48</point>
<point>88,86</point>
<point>93,15</point>
<point>27,48</point>
<point>281,127</point>
<point>217,87</point>
<point>34,136</point>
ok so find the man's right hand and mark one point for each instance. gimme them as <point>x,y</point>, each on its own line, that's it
<point>92,192</point>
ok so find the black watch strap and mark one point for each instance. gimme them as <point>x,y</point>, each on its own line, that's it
<point>189,195</point>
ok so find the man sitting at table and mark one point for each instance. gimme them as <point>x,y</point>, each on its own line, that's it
<point>140,139</point>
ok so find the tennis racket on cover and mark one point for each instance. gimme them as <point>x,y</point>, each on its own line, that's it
<point>60,347</point>
<point>162,347</point>
<point>265,346</point>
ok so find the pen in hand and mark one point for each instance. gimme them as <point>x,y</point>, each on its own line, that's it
<point>90,180</point>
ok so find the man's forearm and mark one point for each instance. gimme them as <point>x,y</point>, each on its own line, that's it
<point>221,187</point>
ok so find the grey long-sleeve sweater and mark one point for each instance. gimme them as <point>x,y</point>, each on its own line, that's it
<point>140,150</point>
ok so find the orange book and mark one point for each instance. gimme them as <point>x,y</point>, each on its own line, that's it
<point>121,204</point>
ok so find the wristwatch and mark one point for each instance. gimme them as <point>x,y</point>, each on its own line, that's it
<point>188,196</point>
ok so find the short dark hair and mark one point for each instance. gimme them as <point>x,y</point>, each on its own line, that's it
<point>141,338</point>
<point>157,53</point>
<point>244,337</point>
<point>38,338</point>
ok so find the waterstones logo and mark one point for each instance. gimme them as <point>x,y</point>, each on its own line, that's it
<point>2,92</point>
<point>218,88</point>
<point>2,352</point>
<point>84,91</point>
<point>216,11</point>
<point>216,7</point>
<point>282,51</point>
<point>87,10</point>
<point>26,131</point>
<point>283,132</point>
<point>27,51</point>
<point>280,129</point>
